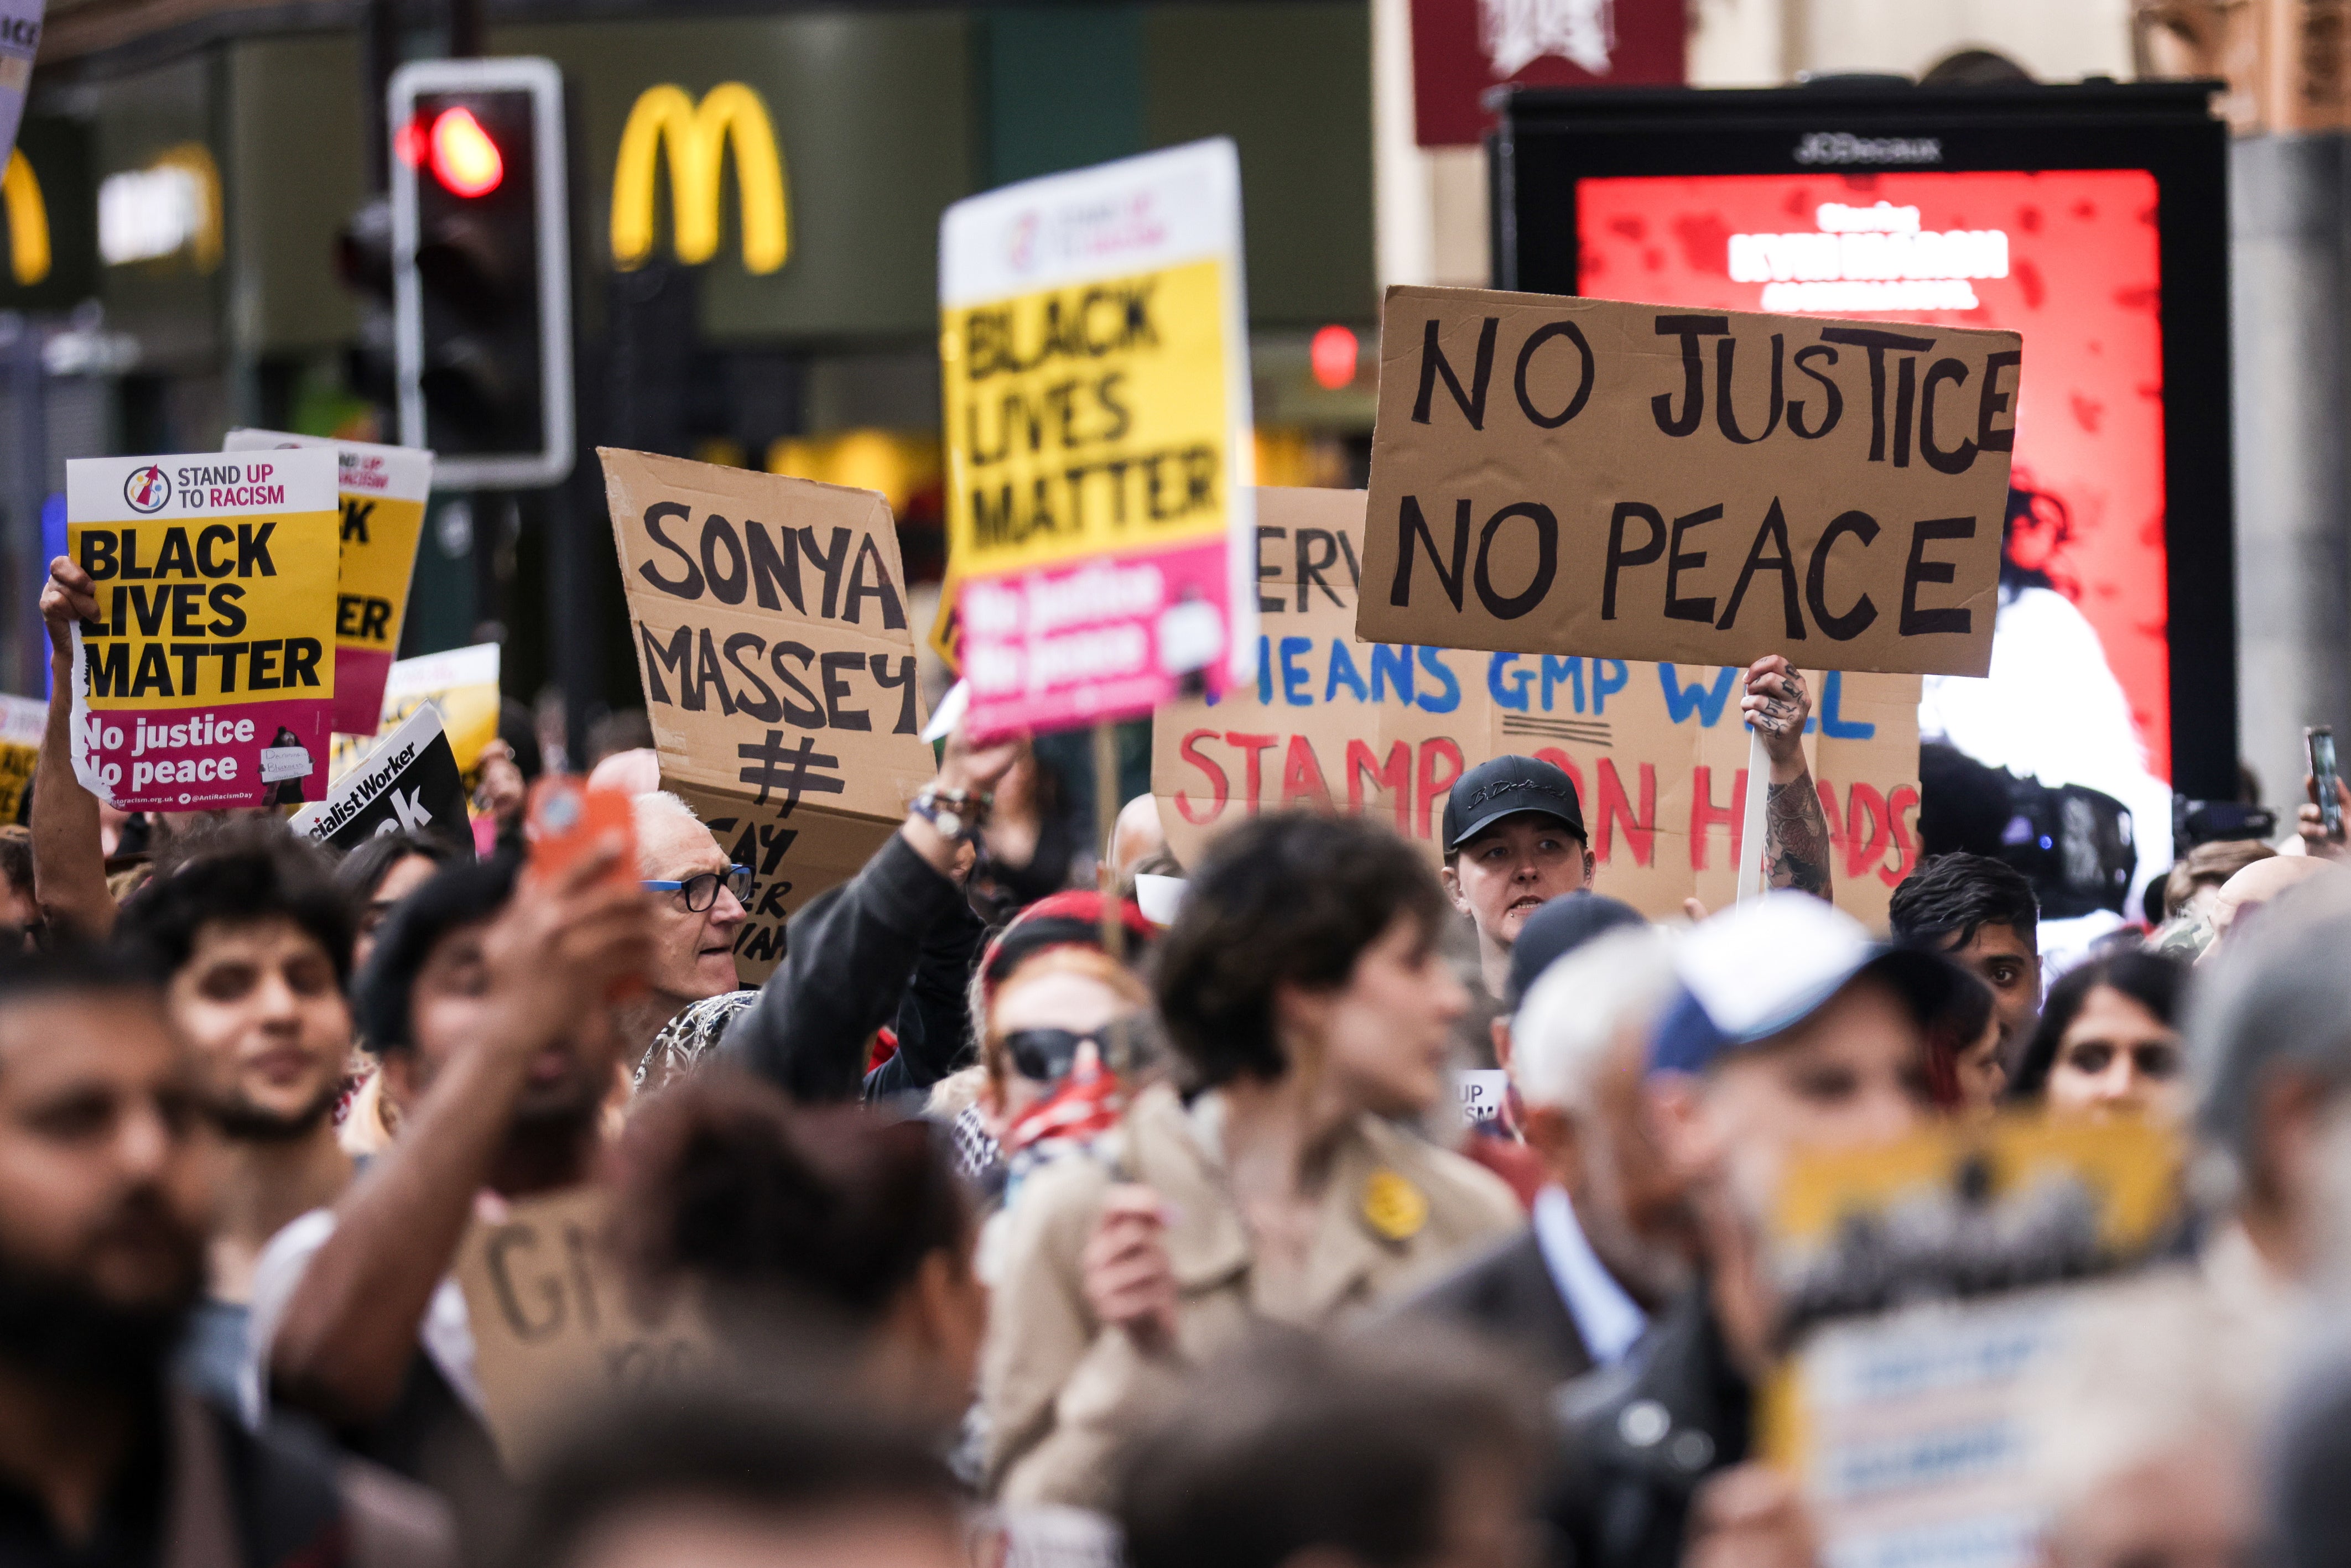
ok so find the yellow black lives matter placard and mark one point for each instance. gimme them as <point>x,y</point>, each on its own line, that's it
<point>208,680</point>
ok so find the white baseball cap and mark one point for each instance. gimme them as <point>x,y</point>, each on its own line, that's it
<point>1765,966</point>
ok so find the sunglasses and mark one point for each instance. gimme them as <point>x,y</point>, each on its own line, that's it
<point>1048,1054</point>
<point>702,892</point>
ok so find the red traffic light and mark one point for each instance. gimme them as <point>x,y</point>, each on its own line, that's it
<point>1333,355</point>
<point>462,155</point>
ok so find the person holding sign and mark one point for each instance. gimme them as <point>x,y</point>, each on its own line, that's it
<point>1795,835</point>
<point>856,948</point>
<point>486,1005</point>
<point>1514,833</point>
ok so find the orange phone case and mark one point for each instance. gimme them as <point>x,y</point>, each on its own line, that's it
<point>565,822</point>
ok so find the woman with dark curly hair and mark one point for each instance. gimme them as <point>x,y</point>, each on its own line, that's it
<point>1309,1011</point>
<point>2108,1045</point>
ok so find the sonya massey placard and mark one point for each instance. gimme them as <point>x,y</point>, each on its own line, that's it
<point>209,679</point>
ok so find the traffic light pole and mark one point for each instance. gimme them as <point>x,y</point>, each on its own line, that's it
<point>379,52</point>
<point>495,530</point>
<point>465,31</point>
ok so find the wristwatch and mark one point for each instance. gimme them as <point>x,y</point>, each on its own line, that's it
<point>957,814</point>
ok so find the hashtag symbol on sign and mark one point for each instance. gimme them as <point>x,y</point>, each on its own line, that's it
<point>791,772</point>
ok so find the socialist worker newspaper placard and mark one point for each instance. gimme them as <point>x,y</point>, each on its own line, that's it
<point>409,782</point>
<point>209,681</point>
<point>1585,476</point>
<point>1094,357</point>
<point>383,490</point>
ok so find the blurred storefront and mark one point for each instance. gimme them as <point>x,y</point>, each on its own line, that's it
<point>187,168</point>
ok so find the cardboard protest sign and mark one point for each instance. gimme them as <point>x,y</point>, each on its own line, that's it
<point>23,721</point>
<point>1657,752</point>
<point>462,683</point>
<point>1933,1288</point>
<point>409,780</point>
<point>210,680</point>
<point>1093,345</point>
<point>1585,477</point>
<point>771,623</point>
<point>383,490</point>
<point>555,1325</point>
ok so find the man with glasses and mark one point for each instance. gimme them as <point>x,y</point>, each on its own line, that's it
<point>892,949</point>
<point>698,903</point>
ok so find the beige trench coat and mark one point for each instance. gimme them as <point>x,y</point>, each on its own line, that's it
<point>1061,1392</point>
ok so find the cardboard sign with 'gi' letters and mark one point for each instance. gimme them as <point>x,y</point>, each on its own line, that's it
<point>383,491</point>
<point>1657,752</point>
<point>556,1327</point>
<point>1585,477</point>
<point>770,616</point>
<point>1093,346</point>
<point>209,679</point>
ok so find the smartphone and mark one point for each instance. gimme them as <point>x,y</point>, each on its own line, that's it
<point>565,822</point>
<point>2320,740</point>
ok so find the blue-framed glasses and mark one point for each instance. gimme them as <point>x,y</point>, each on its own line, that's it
<point>702,892</point>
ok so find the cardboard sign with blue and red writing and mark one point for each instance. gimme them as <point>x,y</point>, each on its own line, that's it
<point>209,679</point>
<point>1657,752</point>
<point>1095,356</point>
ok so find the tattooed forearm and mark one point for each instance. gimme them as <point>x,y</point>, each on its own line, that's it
<point>1795,837</point>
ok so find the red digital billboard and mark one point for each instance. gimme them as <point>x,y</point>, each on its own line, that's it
<point>2069,259</point>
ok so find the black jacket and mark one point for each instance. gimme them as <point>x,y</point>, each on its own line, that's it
<point>197,1486</point>
<point>895,942</point>
<point>1508,1295</point>
<point>1637,1439</point>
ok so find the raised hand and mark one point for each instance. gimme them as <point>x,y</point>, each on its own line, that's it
<point>1129,1282</point>
<point>559,947</point>
<point>68,596</point>
<point>1775,705</point>
<point>1795,833</point>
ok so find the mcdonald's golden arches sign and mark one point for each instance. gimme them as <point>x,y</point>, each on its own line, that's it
<point>696,136</point>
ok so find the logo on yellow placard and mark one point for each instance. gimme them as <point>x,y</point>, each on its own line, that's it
<point>697,138</point>
<point>1392,1206</point>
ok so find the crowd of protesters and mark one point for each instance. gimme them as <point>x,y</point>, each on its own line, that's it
<point>1026,1226</point>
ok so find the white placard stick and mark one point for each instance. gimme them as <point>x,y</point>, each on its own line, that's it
<point>1750,843</point>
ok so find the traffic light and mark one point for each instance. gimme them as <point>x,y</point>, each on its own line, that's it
<point>481,262</point>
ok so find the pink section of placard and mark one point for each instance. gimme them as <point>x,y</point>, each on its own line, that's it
<point>170,760</point>
<point>360,675</point>
<point>1053,647</point>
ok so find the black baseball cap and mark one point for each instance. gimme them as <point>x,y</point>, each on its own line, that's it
<point>1558,929</point>
<point>1505,787</point>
